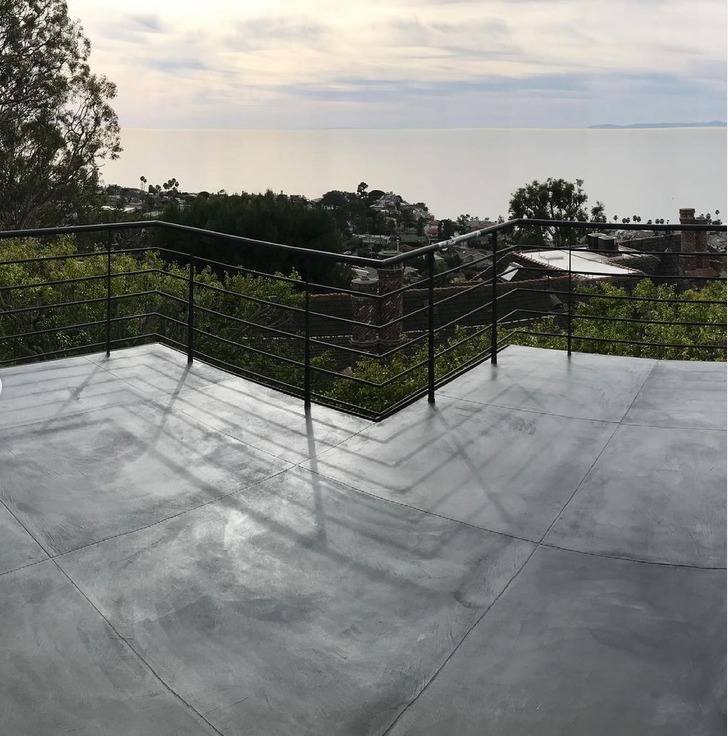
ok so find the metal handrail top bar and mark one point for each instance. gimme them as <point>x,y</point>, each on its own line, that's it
<point>200,232</point>
<point>351,259</point>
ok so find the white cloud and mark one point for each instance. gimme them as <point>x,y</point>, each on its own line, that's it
<point>178,64</point>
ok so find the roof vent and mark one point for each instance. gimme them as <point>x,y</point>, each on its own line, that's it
<point>601,241</point>
<point>592,241</point>
<point>607,242</point>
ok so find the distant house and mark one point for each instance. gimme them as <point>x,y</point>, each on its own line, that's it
<point>432,230</point>
<point>415,213</point>
<point>586,264</point>
<point>513,272</point>
<point>380,241</point>
<point>477,260</point>
<point>388,203</point>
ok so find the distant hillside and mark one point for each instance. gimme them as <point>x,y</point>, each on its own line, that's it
<point>711,124</point>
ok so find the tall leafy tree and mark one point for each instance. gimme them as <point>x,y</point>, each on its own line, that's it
<point>275,218</point>
<point>56,122</point>
<point>553,199</point>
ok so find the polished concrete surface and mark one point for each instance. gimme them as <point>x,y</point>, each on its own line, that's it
<point>184,552</point>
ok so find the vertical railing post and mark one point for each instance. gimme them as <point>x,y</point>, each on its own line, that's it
<point>494,302</point>
<point>191,311</point>
<point>109,237</point>
<point>431,328</point>
<point>569,309</point>
<point>307,337</point>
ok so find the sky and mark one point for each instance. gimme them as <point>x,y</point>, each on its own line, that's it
<point>318,64</point>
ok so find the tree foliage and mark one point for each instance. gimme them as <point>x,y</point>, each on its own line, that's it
<point>667,328</point>
<point>554,199</point>
<point>354,214</point>
<point>403,375</point>
<point>55,119</point>
<point>254,323</point>
<point>53,315</point>
<point>31,300</point>
<point>267,217</point>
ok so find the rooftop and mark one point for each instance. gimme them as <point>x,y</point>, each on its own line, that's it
<point>184,552</point>
<point>582,262</point>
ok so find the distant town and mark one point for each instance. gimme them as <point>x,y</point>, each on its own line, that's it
<point>370,220</point>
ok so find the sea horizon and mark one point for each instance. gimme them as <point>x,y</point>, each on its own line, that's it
<point>599,126</point>
<point>651,172</point>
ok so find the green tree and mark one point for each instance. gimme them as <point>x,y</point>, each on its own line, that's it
<point>666,328</point>
<point>446,228</point>
<point>462,223</point>
<point>345,207</point>
<point>268,217</point>
<point>33,303</point>
<point>554,199</point>
<point>254,324</point>
<point>54,302</point>
<point>379,383</point>
<point>374,195</point>
<point>55,119</point>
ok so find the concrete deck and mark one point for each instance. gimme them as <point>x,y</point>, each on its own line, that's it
<point>183,552</point>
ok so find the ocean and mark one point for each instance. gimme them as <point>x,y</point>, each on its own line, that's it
<point>647,172</point>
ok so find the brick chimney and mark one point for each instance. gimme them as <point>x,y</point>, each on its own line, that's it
<point>365,309</point>
<point>392,307</point>
<point>693,242</point>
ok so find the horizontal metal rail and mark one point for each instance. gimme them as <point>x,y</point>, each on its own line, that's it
<point>588,338</point>
<point>169,318</point>
<point>248,348</point>
<point>432,352</point>
<point>173,297</point>
<point>266,380</point>
<point>176,343</point>
<point>614,297</point>
<point>247,271</point>
<point>248,323</point>
<point>57,305</point>
<point>76,280</point>
<point>64,351</point>
<point>605,318</point>
<point>79,326</point>
<point>634,320</point>
<point>247,297</point>
<point>359,260</point>
<point>101,254</point>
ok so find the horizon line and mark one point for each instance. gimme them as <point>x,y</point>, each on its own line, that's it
<point>598,127</point>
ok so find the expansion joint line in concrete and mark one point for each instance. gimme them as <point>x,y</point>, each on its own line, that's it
<point>146,664</point>
<point>458,645</point>
<point>525,410</point>
<point>168,518</point>
<point>596,459</point>
<point>537,543</point>
<point>624,558</point>
<point>151,669</point>
<point>27,531</point>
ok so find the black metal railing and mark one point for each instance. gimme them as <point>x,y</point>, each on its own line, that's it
<point>373,345</point>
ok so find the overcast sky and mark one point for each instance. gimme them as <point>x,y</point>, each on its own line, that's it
<point>409,63</point>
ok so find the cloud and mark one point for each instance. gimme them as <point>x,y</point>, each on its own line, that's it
<point>149,23</point>
<point>262,32</point>
<point>134,29</point>
<point>473,37</point>
<point>178,65</point>
<point>402,62</point>
<point>364,90</point>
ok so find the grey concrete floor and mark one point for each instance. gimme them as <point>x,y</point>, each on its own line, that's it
<point>184,552</point>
